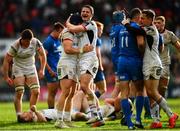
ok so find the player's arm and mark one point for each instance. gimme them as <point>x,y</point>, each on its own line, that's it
<point>98,52</point>
<point>51,72</point>
<point>42,56</point>
<point>40,116</point>
<point>141,44</point>
<point>177,45</point>
<point>69,49</point>
<point>75,28</point>
<point>6,67</point>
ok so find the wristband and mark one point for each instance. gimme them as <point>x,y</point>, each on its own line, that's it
<point>81,50</point>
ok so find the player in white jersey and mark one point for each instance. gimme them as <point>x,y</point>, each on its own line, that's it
<point>169,38</point>
<point>21,56</point>
<point>67,73</point>
<point>152,71</point>
<point>88,62</point>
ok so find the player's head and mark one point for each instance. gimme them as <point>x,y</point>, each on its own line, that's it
<point>26,36</point>
<point>25,117</point>
<point>75,19</point>
<point>147,18</point>
<point>57,29</point>
<point>100,27</point>
<point>118,16</point>
<point>135,15</point>
<point>87,12</point>
<point>160,23</point>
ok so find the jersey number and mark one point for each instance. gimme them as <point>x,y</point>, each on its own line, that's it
<point>124,41</point>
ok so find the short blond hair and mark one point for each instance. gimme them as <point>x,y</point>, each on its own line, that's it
<point>99,24</point>
<point>162,18</point>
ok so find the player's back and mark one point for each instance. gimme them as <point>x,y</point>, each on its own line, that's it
<point>114,32</point>
<point>128,43</point>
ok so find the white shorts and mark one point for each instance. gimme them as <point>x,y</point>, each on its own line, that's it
<point>67,67</point>
<point>88,63</point>
<point>152,73</point>
<point>28,72</point>
<point>166,72</point>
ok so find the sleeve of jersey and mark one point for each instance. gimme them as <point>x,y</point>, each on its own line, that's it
<point>174,38</point>
<point>98,42</point>
<point>135,30</point>
<point>47,44</point>
<point>67,36</point>
<point>12,50</point>
<point>38,44</point>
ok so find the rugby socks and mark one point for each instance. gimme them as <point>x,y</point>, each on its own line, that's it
<point>100,113</point>
<point>60,115</point>
<point>98,94</point>
<point>67,116</point>
<point>139,107</point>
<point>147,105</point>
<point>164,106</point>
<point>127,111</point>
<point>155,112</point>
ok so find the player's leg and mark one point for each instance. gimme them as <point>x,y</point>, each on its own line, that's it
<point>52,90</point>
<point>68,106</point>
<point>116,89</point>
<point>100,83</point>
<point>19,91</point>
<point>33,84</point>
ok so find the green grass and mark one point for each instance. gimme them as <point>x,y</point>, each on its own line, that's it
<point>8,120</point>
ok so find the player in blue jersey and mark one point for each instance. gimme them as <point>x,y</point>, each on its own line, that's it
<point>131,49</point>
<point>100,78</point>
<point>118,16</point>
<point>52,46</point>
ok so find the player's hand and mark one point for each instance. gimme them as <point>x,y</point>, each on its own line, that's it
<point>33,108</point>
<point>41,74</point>
<point>52,73</point>
<point>9,81</point>
<point>125,21</point>
<point>88,48</point>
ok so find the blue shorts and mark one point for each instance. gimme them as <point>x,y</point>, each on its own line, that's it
<point>99,76</point>
<point>130,68</point>
<point>49,78</point>
<point>115,64</point>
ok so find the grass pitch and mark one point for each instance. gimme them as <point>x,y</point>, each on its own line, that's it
<point>8,120</point>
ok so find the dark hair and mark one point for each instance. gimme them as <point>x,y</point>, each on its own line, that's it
<point>134,13</point>
<point>90,7</point>
<point>75,19</point>
<point>27,34</point>
<point>149,13</point>
<point>57,26</point>
<point>118,16</point>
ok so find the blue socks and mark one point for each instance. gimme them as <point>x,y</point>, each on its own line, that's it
<point>127,111</point>
<point>139,107</point>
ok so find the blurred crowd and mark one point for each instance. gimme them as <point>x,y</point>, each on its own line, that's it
<point>39,15</point>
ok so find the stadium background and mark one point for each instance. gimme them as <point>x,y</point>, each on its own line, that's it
<point>39,15</point>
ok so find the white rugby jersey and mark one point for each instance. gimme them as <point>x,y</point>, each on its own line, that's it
<point>24,57</point>
<point>71,36</point>
<point>89,36</point>
<point>169,38</point>
<point>151,55</point>
<point>51,114</point>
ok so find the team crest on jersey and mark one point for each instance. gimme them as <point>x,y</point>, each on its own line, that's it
<point>94,69</point>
